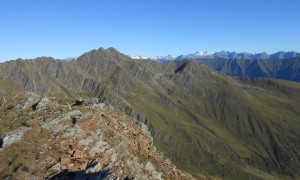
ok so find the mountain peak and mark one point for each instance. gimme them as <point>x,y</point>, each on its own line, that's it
<point>112,49</point>
<point>204,53</point>
<point>101,49</point>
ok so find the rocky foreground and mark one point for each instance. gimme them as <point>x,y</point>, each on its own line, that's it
<point>58,138</point>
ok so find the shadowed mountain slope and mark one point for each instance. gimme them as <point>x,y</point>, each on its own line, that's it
<point>288,69</point>
<point>205,122</point>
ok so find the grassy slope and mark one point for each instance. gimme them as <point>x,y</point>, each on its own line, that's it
<point>238,117</point>
<point>205,122</point>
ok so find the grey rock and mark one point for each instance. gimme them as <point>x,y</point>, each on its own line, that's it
<point>98,148</point>
<point>102,105</point>
<point>85,142</point>
<point>54,123</point>
<point>43,103</point>
<point>55,168</point>
<point>12,137</point>
<point>151,169</point>
<point>31,100</point>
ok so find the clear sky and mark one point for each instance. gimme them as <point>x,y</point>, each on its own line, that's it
<point>68,28</point>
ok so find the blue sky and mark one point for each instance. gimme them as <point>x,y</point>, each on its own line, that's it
<point>61,28</point>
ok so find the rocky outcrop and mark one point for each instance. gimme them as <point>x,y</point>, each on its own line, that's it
<point>90,141</point>
<point>105,141</point>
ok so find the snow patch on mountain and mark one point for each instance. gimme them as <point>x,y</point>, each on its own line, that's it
<point>156,58</point>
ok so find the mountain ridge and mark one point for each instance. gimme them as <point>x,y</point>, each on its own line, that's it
<point>205,122</point>
<point>287,69</point>
<point>224,55</point>
<point>76,142</point>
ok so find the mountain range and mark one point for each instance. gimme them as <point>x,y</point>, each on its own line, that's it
<point>205,122</point>
<point>222,55</point>
<point>280,65</point>
<point>288,69</point>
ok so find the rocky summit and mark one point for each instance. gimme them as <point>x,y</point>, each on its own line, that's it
<point>63,138</point>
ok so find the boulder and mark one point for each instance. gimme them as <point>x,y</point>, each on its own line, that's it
<point>12,136</point>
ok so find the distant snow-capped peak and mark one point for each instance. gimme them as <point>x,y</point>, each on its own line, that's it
<point>203,53</point>
<point>146,57</point>
<point>160,58</point>
<point>223,55</point>
<point>198,54</point>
